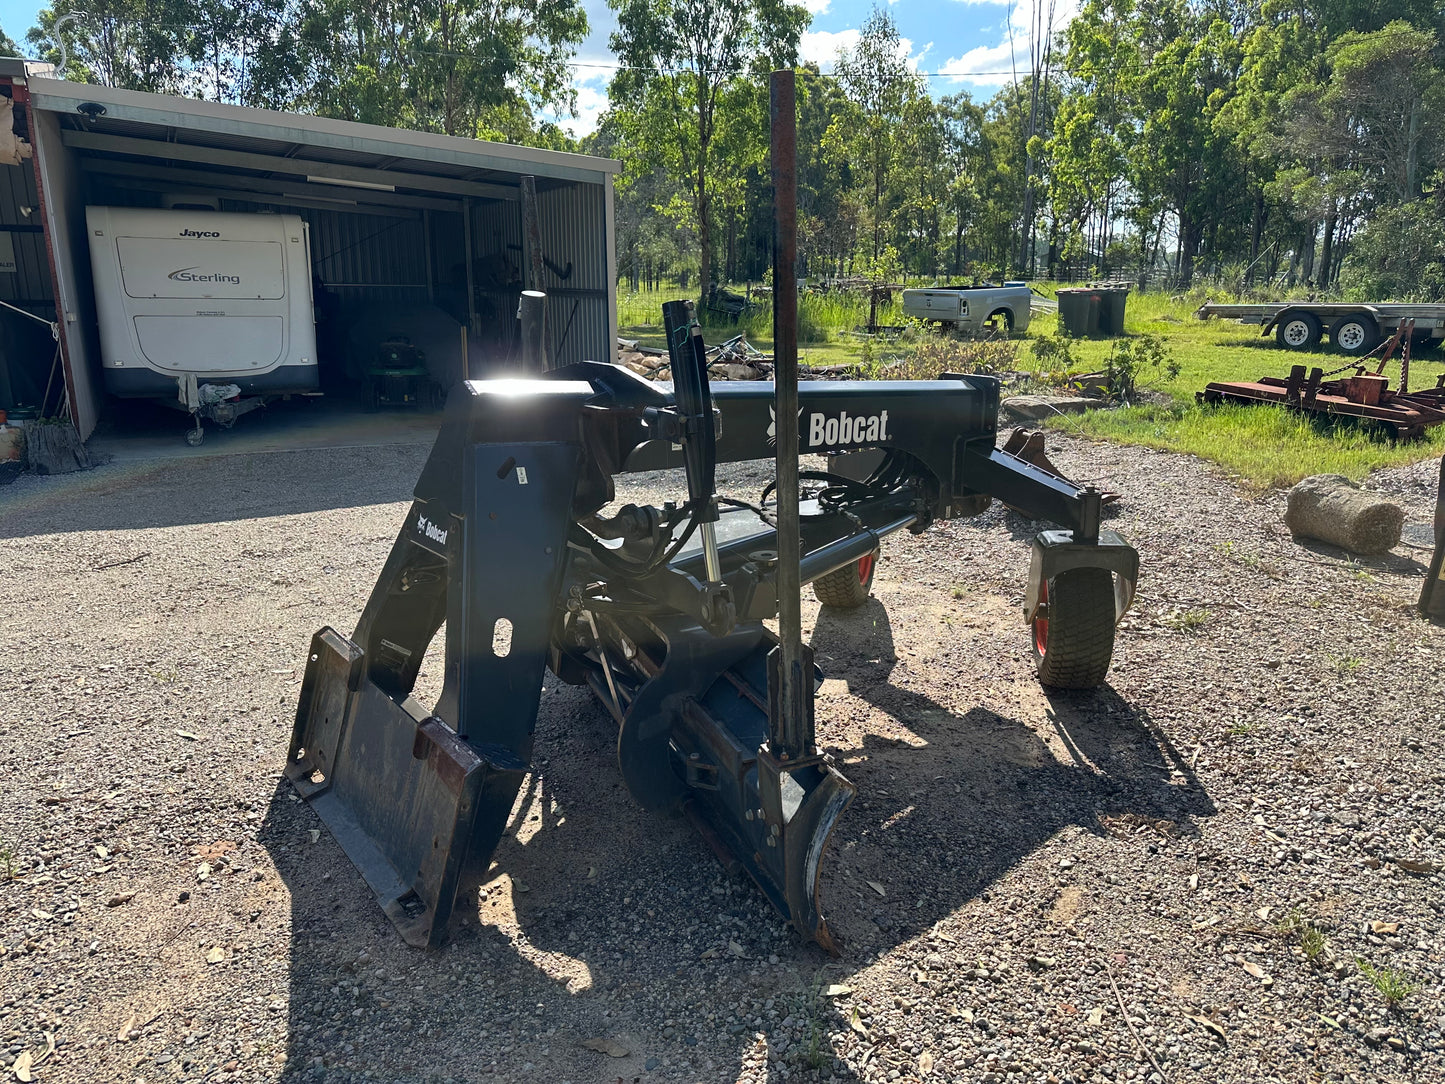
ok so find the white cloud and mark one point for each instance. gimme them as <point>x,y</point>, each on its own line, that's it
<point>994,65</point>
<point>591,104</point>
<point>821,46</point>
<point>988,65</point>
<point>818,7</point>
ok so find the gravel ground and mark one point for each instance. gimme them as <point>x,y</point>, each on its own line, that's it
<point>1186,875</point>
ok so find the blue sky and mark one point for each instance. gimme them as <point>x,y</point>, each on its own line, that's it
<point>968,41</point>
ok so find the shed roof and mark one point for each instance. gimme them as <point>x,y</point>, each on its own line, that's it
<point>212,125</point>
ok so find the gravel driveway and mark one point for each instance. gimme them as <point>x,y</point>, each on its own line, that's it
<point>1190,874</point>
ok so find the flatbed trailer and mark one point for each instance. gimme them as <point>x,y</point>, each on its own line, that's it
<point>1354,328</point>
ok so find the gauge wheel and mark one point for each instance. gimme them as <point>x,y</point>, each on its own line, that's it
<point>1298,331</point>
<point>1355,334</point>
<point>1073,631</point>
<point>848,587</point>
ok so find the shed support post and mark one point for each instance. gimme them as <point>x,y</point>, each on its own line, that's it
<point>471,259</point>
<point>531,234</point>
<point>431,284</point>
<point>535,323</point>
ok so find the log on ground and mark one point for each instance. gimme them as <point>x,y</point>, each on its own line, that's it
<point>55,448</point>
<point>1331,508</point>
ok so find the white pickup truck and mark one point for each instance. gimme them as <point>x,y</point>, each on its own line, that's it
<point>972,308</point>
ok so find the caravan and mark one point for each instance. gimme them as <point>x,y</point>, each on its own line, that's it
<point>195,303</point>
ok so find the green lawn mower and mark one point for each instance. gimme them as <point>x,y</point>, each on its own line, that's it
<point>398,377</point>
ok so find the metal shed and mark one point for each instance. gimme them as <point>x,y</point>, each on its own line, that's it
<point>396,217</point>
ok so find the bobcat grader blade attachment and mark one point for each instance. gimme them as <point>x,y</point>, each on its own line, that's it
<point>515,543</point>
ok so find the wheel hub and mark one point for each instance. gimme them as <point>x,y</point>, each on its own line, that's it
<point>1352,337</point>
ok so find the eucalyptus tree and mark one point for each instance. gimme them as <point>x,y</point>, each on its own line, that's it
<point>677,88</point>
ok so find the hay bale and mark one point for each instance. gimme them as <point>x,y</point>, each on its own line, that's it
<point>1333,509</point>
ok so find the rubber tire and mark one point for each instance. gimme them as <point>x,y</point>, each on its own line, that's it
<point>195,436</point>
<point>848,587</point>
<point>1311,327</point>
<point>1369,335</point>
<point>1073,645</point>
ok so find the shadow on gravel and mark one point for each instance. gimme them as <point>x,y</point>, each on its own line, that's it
<point>605,921</point>
<point>945,818</point>
<point>1401,564</point>
<point>215,489</point>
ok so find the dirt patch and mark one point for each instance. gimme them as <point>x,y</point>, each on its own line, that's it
<point>1269,743</point>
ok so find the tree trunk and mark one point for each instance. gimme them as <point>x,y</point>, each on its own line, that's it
<point>1158,239</point>
<point>1256,234</point>
<point>730,273</point>
<point>1189,237</point>
<point>1327,249</point>
<point>704,236</point>
<point>1412,152</point>
<point>877,201</point>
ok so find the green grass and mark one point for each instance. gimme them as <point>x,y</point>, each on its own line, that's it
<point>1312,940</point>
<point>1190,621</point>
<point>1393,986</point>
<point>1345,665</point>
<point>1263,446</point>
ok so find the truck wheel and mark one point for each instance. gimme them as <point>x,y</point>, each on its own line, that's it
<point>848,587</point>
<point>1355,334</point>
<point>1074,639</point>
<point>1298,331</point>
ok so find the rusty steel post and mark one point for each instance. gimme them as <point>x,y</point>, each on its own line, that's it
<point>791,730</point>
<point>536,356</point>
<point>531,233</point>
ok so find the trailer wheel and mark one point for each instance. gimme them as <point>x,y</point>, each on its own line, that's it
<point>1298,331</point>
<point>848,587</point>
<point>1355,334</point>
<point>195,436</point>
<point>1074,639</point>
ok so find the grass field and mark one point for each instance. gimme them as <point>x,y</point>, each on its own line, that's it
<point>1263,446</point>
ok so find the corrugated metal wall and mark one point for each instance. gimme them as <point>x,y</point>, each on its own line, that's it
<point>370,261</point>
<point>30,285</point>
<point>573,222</point>
<point>377,260</point>
<point>497,275</point>
<point>365,259</point>
<point>369,258</point>
<point>26,348</point>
